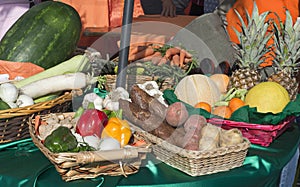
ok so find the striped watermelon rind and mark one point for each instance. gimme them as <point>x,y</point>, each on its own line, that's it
<point>46,35</point>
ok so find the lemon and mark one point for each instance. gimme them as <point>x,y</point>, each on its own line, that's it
<point>267,97</point>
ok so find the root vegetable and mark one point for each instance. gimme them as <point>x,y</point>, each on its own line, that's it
<point>147,102</point>
<point>187,60</point>
<point>141,54</point>
<point>150,57</point>
<point>176,60</point>
<point>172,51</point>
<point>182,57</point>
<point>176,114</point>
<point>210,137</point>
<point>57,83</point>
<point>193,127</point>
<point>135,49</point>
<point>151,123</point>
<point>162,61</point>
<point>230,137</point>
<point>143,118</point>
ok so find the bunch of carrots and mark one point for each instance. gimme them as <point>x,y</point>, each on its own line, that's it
<point>159,54</point>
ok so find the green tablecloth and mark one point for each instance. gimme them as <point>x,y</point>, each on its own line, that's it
<point>22,164</point>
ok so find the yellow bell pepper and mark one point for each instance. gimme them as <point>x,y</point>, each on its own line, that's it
<point>118,129</point>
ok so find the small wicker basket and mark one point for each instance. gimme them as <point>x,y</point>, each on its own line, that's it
<point>197,163</point>
<point>90,164</point>
<point>13,122</point>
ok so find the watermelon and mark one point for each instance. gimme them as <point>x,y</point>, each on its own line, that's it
<point>46,35</point>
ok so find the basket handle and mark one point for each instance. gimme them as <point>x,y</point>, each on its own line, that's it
<point>109,155</point>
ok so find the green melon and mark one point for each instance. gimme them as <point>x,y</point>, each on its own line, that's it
<point>45,35</point>
<point>267,97</point>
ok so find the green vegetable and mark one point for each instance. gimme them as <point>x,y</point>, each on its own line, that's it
<point>61,140</point>
<point>46,98</point>
<point>4,105</point>
<point>45,35</point>
<point>77,63</point>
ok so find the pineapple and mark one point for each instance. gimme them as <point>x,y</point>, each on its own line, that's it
<point>252,49</point>
<point>286,55</point>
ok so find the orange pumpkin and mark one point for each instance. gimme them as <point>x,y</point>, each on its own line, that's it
<point>277,6</point>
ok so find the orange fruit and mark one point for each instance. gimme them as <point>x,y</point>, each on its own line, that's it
<point>235,103</point>
<point>222,111</point>
<point>204,106</point>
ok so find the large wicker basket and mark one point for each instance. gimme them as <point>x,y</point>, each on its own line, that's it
<point>197,163</point>
<point>13,122</point>
<point>90,164</point>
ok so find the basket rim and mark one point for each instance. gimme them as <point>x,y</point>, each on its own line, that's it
<point>27,110</point>
<point>238,124</point>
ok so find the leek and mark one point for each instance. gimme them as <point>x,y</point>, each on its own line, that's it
<point>78,63</point>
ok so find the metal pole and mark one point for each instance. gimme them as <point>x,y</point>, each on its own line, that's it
<point>125,42</point>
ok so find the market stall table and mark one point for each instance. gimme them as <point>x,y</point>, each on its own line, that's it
<point>22,164</point>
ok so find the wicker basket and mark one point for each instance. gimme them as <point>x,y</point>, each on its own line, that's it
<point>259,134</point>
<point>90,164</point>
<point>197,163</point>
<point>13,122</point>
<point>137,79</point>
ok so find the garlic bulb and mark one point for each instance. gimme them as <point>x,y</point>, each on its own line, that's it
<point>24,100</point>
<point>89,98</point>
<point>118,93</point>
<point>8,92</point>
<point>109,104</point>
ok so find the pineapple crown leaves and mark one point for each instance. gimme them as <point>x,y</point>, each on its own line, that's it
<point>287,44</point>
<point>253,38</point>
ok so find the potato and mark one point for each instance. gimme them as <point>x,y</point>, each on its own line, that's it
<point>193,127</point>
<point>176,114</point>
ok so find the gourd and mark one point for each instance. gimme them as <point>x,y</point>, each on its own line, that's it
<point>45,35</point>
<point>275,6</point>
<point>221,81</point>
<point>195,88</point>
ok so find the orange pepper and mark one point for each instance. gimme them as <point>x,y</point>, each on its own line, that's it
<point>118,129</point>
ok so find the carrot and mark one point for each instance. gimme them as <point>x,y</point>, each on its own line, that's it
<point>135,49</point>
<point>175,60</point>
<point>155,60</point>
<point>187,60</point>
<point>187,54</point>
<point>37,123</point>
<point>162,61</point>
<point>150,57</point>
<point>181,57</point>
<point>172,51</point>
<point>141,54</point>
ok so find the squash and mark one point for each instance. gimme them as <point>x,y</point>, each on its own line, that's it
<point>278,13</point>
<point>46,35</point>
<point>221,81</point>
<point>196,88</point>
